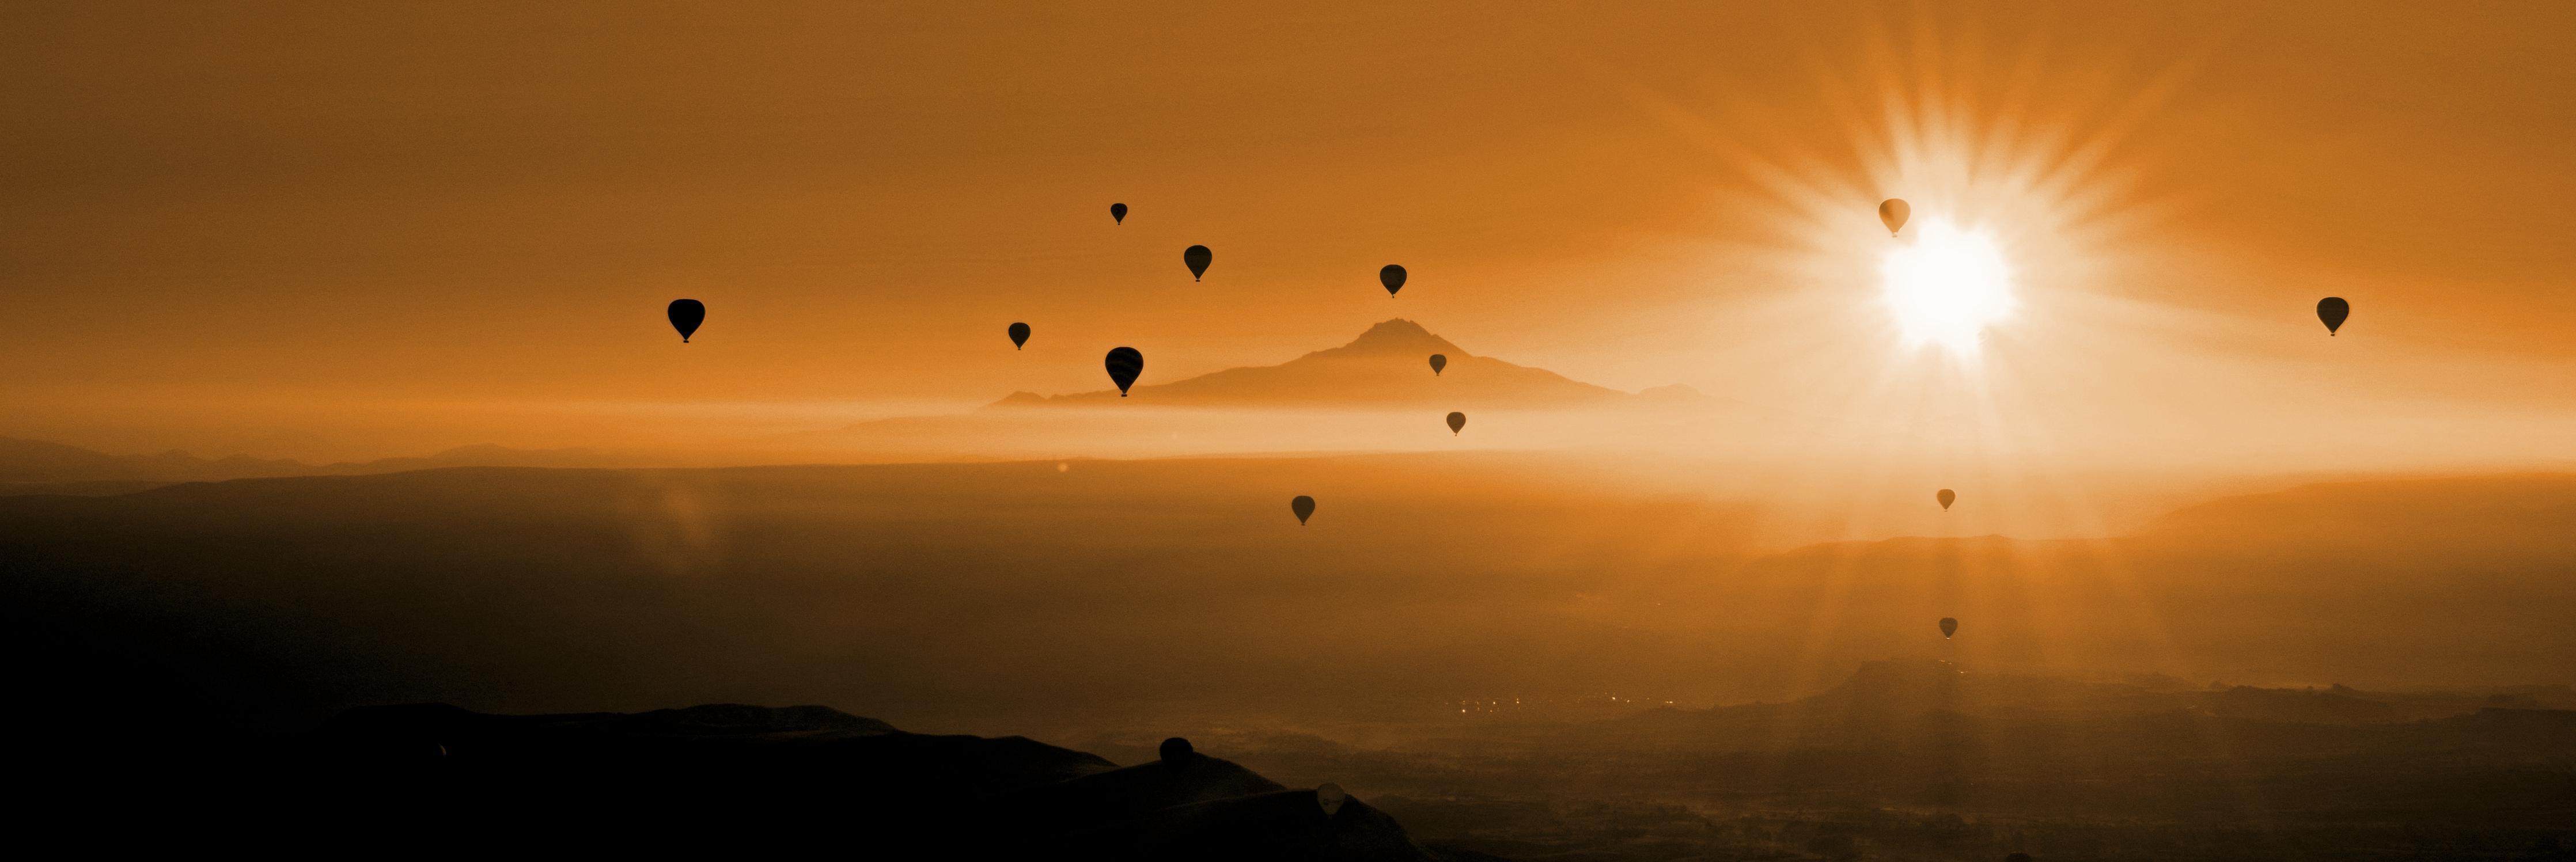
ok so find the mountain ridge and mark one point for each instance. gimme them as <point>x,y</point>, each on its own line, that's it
<point>39,466</point>
<point>813,771</point>
<point>1387,364</point>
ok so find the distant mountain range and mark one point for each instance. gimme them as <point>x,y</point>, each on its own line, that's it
<point>1389,365</point>
<point>1385,372</point>
<point>33,466</point>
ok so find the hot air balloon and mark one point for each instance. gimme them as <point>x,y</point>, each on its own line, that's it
<point>1304,506</point>
<point>1457,421</point>
<point>1945,497</point>
<point>2333,310</point>
<point>1124,364</point>
<point>1892,212</point>
<point>1117,214</point>
<point>1198,257</point>
<point>1393,277</point>
<point>686,314</point>
<point>1176,751</point>
<point>1331,797</point>
<point>1948,627</point>
<point>1438,362</point>
<point>1019,335</point>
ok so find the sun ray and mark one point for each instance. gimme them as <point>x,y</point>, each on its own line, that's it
<point>2020,214</point>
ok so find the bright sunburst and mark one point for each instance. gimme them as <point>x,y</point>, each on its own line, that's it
<point>1947,285</point>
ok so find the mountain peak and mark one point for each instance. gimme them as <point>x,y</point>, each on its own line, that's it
<point>1399,335</point>
<point>1384,365</point>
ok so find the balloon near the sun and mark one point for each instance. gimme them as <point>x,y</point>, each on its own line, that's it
<point>1947,286</point>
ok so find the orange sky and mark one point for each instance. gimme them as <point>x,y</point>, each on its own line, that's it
<point>348,230</point>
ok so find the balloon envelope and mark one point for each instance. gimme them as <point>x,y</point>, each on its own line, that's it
<point>1892,212</point>
<point>1176,749</point>
<point>1438,362</point>
<point>1945,497</point>
<point>1019,335</point>
<point>1124,364</point>
<point>1331,797</point>
<point>1198,257</point>
<point>1304,506</point>
<point>1393,277</point>
<point>1118,213</point>
<point>2333,310</point>
<point>1457,421</point>
<point>1949,627</point>
<point>686,314</point>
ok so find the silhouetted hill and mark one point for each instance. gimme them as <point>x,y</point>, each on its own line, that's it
<point>734,776</point>
<point>1125,793</point>
<point>37,467</point>
<point>455,728</point>
<point>1281,825</point>
<point>1387,365</point>
<point>33,461</point>
<point>480,455</point>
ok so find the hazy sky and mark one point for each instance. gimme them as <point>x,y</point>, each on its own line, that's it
<point>392,227</point>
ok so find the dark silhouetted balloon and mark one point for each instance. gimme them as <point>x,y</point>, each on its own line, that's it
<point>2333,310</point>
<point>1331,797</point>
<point>1438,362</point>
<point>1457,421</point>
<point>1949,627</point>
<point>686,314</point>
<point>1945,497</point>
<point>1304,506</point>
<point>1393,277</point>
<point>1176,751</point>
<point>2017,857</point>
<point>1019,335</point>
<point>1118,213</point>
<point>1893,212</point>
<point>1124,364</point>
<point>1198,257</point>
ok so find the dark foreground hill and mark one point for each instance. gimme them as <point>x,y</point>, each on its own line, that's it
<point>732,779</point>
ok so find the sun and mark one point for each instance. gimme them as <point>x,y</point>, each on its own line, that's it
<point>1947,285</point>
